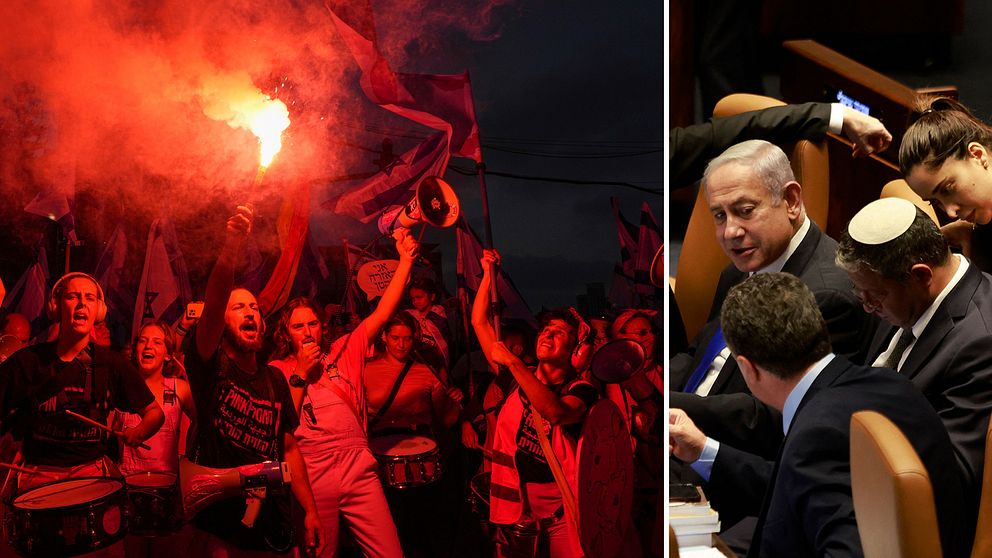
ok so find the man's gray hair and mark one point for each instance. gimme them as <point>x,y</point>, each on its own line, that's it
<point>765,159</point>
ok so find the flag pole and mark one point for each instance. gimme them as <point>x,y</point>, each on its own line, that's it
<point>480,169</point>
<point>466,331</point>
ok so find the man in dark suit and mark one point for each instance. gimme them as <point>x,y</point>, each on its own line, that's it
<point>691,147</point>
<point>762,226</point>
<point>939,310</point>
<point>781,343</point>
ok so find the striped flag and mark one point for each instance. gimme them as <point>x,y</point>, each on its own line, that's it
<point>396,183</point>
<point>442,102</point>
<point>648,243</point>
<point>164,289</point>
<point>119,295</point>
<point>622,293</point>
<point>30,294</point>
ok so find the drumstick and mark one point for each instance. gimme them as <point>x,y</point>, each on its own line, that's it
<point>20,469</point>
<point>103,427</point>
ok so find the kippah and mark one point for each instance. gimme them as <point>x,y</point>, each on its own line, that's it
<point>882,220</point>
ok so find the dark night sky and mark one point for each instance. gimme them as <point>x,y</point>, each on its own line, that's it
<point>587,73</point>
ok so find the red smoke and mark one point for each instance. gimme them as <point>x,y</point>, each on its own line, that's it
<point>125,103</point>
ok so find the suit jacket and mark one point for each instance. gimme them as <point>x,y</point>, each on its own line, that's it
<point>808,508</point>
<point>744,421</point>
<point>951,363</point>
<point>691,148</point>
<point>851,329</point>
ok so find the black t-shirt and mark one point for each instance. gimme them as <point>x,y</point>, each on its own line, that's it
<point>37,387</point>
<point>531,463</point>
<point>242,418</point>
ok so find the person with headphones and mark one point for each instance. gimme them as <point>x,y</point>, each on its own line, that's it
<point>528,504</point>
<point>40,383</point>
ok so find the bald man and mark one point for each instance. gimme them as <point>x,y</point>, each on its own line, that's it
<point>17,325</point>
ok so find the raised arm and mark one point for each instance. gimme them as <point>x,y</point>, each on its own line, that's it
<point>211,325</point>
<point>484,330</point>
<point>564,409</point>
<point>407,246</point>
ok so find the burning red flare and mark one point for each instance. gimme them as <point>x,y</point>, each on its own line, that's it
<point>268,124</point>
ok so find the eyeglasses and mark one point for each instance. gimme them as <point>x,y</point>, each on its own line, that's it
<point>872,301</point>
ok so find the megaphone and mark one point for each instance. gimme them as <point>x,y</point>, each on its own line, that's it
<point>434,203</point>
<point>202,486</point>
<point>617,361</point>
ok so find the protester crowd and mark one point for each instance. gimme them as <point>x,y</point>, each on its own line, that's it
<point>345,436</point>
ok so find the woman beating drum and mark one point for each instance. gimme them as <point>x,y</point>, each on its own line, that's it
<point>151,474</point>
<point>327,387</point>
<point>410,410</point>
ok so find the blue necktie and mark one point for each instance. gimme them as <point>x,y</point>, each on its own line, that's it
<point>713,349</point>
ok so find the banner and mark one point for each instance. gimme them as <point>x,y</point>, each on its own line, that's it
<point>164,289</point>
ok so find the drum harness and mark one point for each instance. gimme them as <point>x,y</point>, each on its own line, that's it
<point>392,395</point>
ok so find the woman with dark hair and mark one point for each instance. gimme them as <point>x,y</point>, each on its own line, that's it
<point>945,157</point>
<point>410,412</point>
<point>421,400</point>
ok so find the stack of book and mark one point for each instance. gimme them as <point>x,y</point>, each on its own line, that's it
<point>690,515</point>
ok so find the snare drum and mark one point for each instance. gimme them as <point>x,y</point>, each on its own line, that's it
<point>68,517</point>
<point>156,508</point>
<point>406,460</point>
<point>478,495</point>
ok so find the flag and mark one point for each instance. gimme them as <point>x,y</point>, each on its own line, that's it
<point>469,274</point>
<point>311,272</point>
<point>109,272</point>
<point>622,292</point>
<point>396,183</point>
<point>253,274</point>
<point>30,294</point>
<point>164,289</point>
<point>627,234</point>
<point>57,206</point>
<point>355,301</point>
<point>648,244</point>
<point>292,225</point>
<point>442,102</point>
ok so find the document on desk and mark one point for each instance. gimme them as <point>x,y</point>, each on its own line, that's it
<point>700,552</point>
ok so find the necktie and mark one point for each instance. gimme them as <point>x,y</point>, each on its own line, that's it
<point>895,356</point>
<point>713,349</point>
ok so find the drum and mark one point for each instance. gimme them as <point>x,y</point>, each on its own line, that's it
<point>156,508</point>
<point>478,495</point>
<point>68,517</point>
<point>406,460</point>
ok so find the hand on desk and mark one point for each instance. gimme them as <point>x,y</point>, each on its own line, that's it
<point>685,441</point>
